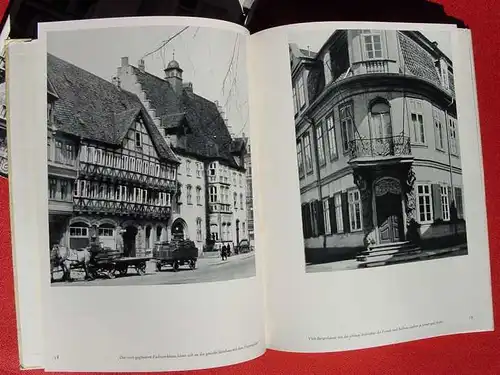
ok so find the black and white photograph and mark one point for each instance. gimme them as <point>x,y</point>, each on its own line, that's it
<point>148,153</point>
<point>379,162</point>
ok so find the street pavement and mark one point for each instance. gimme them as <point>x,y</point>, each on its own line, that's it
<point>207,270</point>
<point>352,264</point>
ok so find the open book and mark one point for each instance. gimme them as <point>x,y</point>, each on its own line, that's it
<point>185,195</point>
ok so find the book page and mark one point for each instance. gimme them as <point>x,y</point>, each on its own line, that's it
<point>141,135</point>
<point>371,171</point>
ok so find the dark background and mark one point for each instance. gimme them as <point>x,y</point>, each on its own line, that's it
<point>457,354</point>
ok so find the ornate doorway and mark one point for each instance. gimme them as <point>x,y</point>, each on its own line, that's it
<point>389,210</point>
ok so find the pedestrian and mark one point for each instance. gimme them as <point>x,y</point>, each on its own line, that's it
<point>223,252</point>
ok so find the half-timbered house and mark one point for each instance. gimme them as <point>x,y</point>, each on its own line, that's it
<point>112,177</point>
<point>211,204</point>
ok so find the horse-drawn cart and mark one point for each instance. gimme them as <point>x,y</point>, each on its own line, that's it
<point>111,262</point>
<point>175,254</point>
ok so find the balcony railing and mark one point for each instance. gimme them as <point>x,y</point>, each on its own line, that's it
<point>380,147</point>
<point>219,207</point>
<point>369,67</point>
<point>106,206</point>
<point>101,171</point>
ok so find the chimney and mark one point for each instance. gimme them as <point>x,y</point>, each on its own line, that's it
<point>188,86</point>
<point>141,65</point>
<point>124,62</point>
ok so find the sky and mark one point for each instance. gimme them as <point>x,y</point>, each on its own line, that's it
<point>213,60</point>
<point>315,39</point>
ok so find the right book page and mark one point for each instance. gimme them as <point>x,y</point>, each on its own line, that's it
<point>371,176</point>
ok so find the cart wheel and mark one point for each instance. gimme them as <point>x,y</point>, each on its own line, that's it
<point>176,266</point>
<point>123,270</point>
<point>141,269</point>
<point>158,266</point>
<point>192,264</point>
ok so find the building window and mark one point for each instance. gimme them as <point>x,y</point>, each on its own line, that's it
<point>320,144</point>
<point>453,137</point>
<point>106,232</point>
<point>438,127</point>
<point>308,153</point>
<point>52,188</point>
<point>372,41</point>
<point>198,195</point>
<point>199,170</point>
<point>424,203</point>
<point>445,202</point>
<point>243,229</point>
<point>332,141</point>
<point>188,167</point>
<point>198,229</point>
<point>381,120</point>
<point>138,139</point>
<point>59,152</point>
<point>326,216</point>
<point>346,125</point>
<point>354,199</point>
<point>301,95</point>
<point>189,194</point>
<point>337,198</point>
<point>241,201</point>
<point>213,194</point>
<point>300,158</point>
<point>295,105</point>
<point>417,122</point>
<point>75,231</point>
<point>235,201</point>
<point>63,186</point>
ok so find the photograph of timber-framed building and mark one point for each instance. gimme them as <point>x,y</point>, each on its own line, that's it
<point>378,151</point>
<point>140,163</point>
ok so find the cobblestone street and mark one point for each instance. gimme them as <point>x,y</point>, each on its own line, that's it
<point>207,270</point>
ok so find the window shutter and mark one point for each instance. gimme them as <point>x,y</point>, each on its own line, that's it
<point>307,211</point>
<point>304,221</point>
<point>345,212</point>
<point>333,219</point>
<point>436,201</point>
<point>320,217</point>
<point>314,219</point>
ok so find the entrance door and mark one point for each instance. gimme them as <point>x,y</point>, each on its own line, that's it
<point>389,217</point>
<point>129,241</point>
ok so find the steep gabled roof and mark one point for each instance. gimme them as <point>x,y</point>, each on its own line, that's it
<point>208,135</point>
<point>94,109</point>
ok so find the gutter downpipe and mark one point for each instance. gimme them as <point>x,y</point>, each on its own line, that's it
<point>455,231</point>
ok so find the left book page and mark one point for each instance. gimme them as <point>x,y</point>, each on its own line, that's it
<point>139,137</point>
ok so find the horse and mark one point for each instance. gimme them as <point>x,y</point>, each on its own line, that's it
<point>66,258</point>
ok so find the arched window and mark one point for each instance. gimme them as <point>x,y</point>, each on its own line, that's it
<point>79,235</point>
<point>380,113</point>
<point>189,194</point>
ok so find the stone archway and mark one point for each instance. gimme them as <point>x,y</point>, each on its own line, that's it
<point>179,230</point>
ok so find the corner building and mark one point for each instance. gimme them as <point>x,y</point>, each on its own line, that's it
<point>377,144</point>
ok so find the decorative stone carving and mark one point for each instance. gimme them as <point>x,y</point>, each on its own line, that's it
<point>387,185</point>
<point>410,198</point>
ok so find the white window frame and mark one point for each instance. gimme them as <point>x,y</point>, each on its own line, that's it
<point>354,202</point>
<point>416,109</point>
<point>339,218</point>
<point>346,114</point>
<point>307,152</point>
<point>333,151</point>
<point>320,143</point>
<point>454,149</point>
<point>301,95</point>
<point>429,215</point>
<point>81,235</point>
<point>445,202</point>
<point>369,39</point>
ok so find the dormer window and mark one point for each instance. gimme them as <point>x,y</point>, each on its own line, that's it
<point>372,43</point>
<point>138,139</point>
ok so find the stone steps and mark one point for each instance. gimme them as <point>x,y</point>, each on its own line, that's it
<point>385,252</point>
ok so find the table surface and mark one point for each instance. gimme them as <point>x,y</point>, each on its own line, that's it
<point>457,354</point>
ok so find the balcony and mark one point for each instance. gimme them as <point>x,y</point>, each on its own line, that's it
<point>373,66</point>
<point>91,170</point>
<point>110,207</point>
<point>219,207</point>
<point>372,151</point>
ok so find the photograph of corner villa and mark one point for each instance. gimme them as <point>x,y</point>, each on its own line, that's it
<point>377,148</point>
